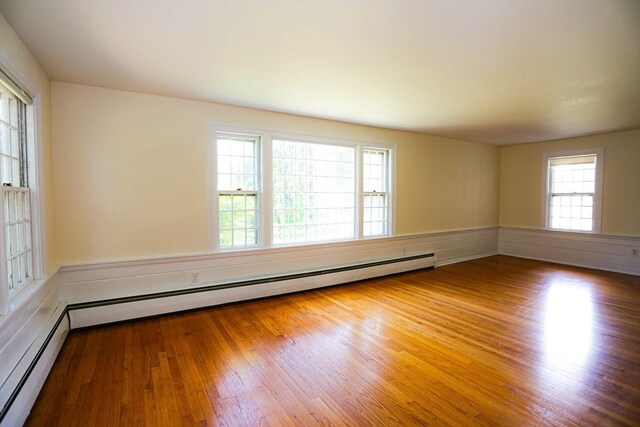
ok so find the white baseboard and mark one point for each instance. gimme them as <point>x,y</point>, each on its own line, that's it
<point>83,284</point>
<point>466,258</point>
<point>611,253</point>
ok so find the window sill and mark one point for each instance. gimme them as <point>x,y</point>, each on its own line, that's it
<point>25,296</point>
<point>560,230</point>
<point>293,246</point>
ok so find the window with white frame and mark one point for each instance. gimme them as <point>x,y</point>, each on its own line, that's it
<point>313,192</point>
<point>238,188</point>
<point>283,190</point>
<point>15,216</point>
<point>375,192</point>
<point>573,190</point>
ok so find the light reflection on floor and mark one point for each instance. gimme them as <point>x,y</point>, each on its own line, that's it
<point>568,334</point>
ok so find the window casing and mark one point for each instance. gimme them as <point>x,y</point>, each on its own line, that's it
<point>573,190</point>
<point>17,261</point>
<point>309,189</point>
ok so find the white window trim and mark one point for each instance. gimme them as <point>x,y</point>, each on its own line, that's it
<point>36,189</point>
<point>359,206</point>
<point>265,198</point>
<point>597,199</point>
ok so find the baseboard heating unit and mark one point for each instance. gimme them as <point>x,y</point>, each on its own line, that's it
<point>96,312</point>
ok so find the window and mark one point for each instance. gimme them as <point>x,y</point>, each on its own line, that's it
<point>313,192</point>
<point>15,216</point>
<point>375,192</point>
<point>573,190</point>
<point>283,190</point>
<point>238,185</point>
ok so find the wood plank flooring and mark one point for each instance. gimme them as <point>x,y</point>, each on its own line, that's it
<point>495,341</point>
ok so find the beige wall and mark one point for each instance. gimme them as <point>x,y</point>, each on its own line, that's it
<point>521,185</point>
<point>131,172</point>
<point>16,59</point>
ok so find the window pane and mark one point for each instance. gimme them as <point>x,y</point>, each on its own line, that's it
<point>237,218</point>
<point>11,139</point>
<point>238,161</point>
<point>375,170</point>
<point>571,212</point>
<point>313,192</point>
<point>572,178</point>
<point>375,215</point>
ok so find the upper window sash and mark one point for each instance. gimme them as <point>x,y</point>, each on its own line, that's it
<point>13,150</point>
<point>238,162</point>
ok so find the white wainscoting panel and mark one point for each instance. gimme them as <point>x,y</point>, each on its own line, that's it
<point>612,253</point>
<point>103,281</point>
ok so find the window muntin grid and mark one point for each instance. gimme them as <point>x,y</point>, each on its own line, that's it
<point>375,221</point>
<point>238,173</point>
<point>313,192</point>
<point>11,143</point>
<point>238,161</point>
<point>375,173</point>
<point>17,237</point>
<point>572,183</point>
<point>375,170</point>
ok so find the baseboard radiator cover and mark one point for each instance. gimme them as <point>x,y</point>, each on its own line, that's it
<point>98,312</point>
<point>20,393</point>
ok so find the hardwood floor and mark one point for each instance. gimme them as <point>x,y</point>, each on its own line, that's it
<point>495,341</point>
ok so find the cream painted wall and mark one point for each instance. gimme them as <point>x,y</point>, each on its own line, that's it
<point>16,59</point>
<point>131,172</point>
<point>521,192</point>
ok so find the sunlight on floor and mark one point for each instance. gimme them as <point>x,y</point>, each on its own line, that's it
<point>568,325</point>
<point>568,336</point>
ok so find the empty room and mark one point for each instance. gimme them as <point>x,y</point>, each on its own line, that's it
<point>298,213</point>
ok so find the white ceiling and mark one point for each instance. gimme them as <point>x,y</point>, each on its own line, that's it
<point>491,71</point>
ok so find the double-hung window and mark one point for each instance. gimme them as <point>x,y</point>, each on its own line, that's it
<point>573,190</point>
<point>375,192</point>
<point>238,189</point>
<point>16,251</point>
<point>275,190</point>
